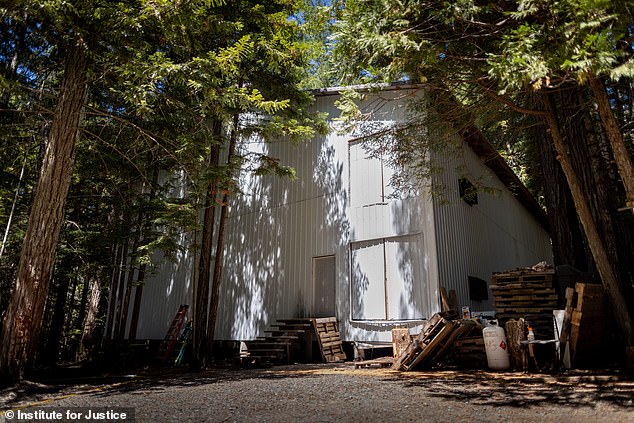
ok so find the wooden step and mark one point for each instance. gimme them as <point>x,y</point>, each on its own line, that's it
<point>288,338</point>
<point>297,326</point>
<point>283,332</point>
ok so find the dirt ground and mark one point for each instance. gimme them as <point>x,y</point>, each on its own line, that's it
<point>334,392</point>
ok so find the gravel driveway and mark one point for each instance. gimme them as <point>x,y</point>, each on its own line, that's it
<point>340,393</point>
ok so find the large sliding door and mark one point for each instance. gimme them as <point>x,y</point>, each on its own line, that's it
<point>387,278</point>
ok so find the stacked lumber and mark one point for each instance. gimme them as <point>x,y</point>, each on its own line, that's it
<point>527,294</point>
<point>434,345</point>
<point>587,320</point>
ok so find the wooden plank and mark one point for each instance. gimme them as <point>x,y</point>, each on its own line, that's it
<point>453,301</point>
<point>400,340</point>
<point>525,304</point>
<point>525,294</point>
<point>378,363</point>
<point>525,286</point>
<point>527,310</point>
<point>444,300</point>
<point>331,344</point>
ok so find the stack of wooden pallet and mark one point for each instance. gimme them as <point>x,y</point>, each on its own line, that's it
<point>470,353</point>
<point>432,347</point>
<point>527,294</point>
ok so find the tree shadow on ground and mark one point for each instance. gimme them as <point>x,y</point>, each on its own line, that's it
<point>583,389</point>
<point>149,380</point>
<point>480,388</point>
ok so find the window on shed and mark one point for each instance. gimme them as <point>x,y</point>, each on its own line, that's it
<point>468,192</point>
<point>478,289</point>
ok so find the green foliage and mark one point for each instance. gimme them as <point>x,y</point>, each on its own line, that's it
<point>162,74</point>
<point>475,52</point>
<point>552,43</point>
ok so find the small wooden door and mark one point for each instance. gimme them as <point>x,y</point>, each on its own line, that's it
<point>324,286</point>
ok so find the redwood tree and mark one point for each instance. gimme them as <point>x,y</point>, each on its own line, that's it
<point>22,321</point>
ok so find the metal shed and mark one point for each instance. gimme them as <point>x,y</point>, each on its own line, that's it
<point>334,242</point>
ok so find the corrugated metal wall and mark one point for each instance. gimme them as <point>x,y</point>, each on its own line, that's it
<point>495,235</point>
<point>279,226</point>
<point>276,227</point>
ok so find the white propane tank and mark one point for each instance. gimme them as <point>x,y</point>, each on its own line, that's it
<point>496,347</point>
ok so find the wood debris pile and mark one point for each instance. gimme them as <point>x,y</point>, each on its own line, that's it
<point>435,346</point>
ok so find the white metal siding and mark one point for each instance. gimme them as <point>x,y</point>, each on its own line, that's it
<point>497,234</point>
<point>276,226</point>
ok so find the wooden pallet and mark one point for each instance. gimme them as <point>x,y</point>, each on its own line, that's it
<point>524,276</point>
<point>329,339</point>
<point>469,352</point>
<point>432,346</point>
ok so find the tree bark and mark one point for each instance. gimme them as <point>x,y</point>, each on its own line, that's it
<point>613,133</point>
<point>23,318</point>
<point>89,336</point>
<point>567,238</point>
<point>57,322</point>
<point>119,256</point>
<point>200,332</point>
<point>608,276</point>
<point>220,244</point>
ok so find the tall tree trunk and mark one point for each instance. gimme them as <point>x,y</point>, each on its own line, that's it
<point>568,241</point>
<point>120,254</point>
<point>138,286</point>
<point>51,354</point>
<point>89,332</point>
<point>220,244</point>
<point>136,307</point>
<point>608,276</point>
<point>201,290</point>
<point>81,317</point>
<point>123,319</point>
<point>120,291</point>
<point>23,319</point>
<point>613,133</point>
